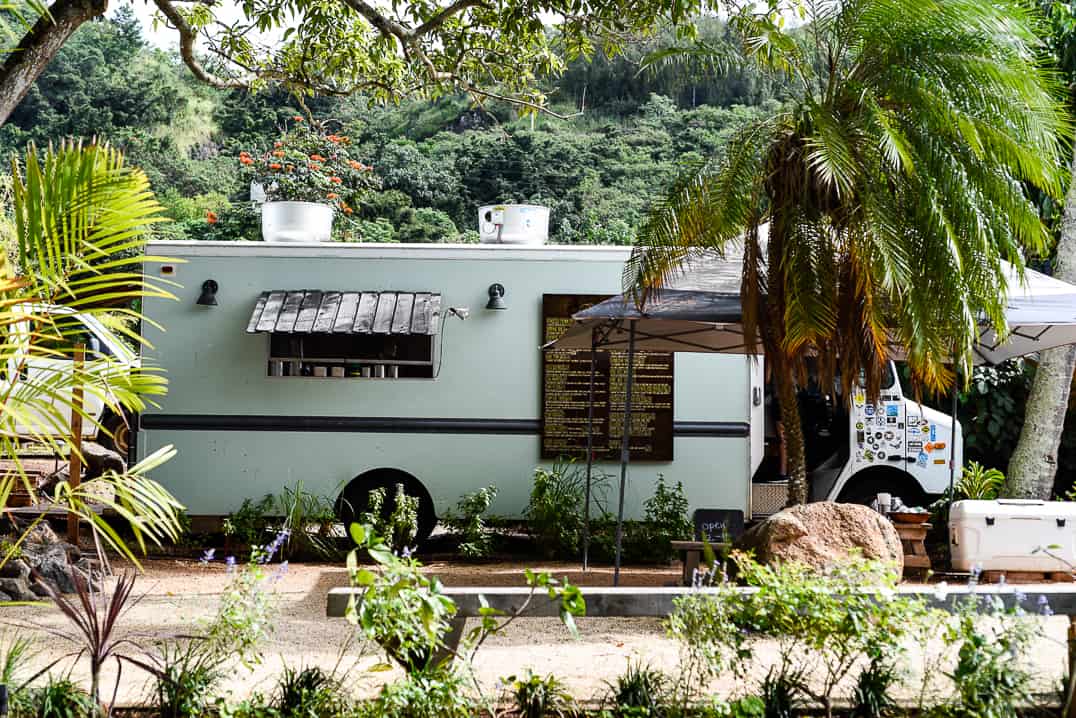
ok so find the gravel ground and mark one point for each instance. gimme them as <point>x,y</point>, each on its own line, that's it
<point>177,595</point>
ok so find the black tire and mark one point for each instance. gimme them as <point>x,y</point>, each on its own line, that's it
<point>354,499</point>
<point>863,489</point>
<point>116,435</point>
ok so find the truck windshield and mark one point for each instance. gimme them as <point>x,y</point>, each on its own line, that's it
<point>888,377</point>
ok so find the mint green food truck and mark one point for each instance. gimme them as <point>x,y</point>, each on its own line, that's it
<point>354,366</point>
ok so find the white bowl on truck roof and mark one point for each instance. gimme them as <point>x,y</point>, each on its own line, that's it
<point>442,405</point>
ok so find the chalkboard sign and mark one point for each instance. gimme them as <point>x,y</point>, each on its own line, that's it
<point>718,525</point>
<point>566,390</point>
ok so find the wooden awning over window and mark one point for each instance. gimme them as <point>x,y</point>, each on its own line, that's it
<point>315,311</point>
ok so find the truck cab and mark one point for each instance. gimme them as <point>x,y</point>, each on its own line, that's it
<point>894,445</point>
<point>24,373</point>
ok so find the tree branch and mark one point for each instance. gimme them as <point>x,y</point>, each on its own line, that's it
<point>38,46</point>
<point>478,92</point>
<point>187,37</point>
<point>385,25</point>
<point>439,19</point>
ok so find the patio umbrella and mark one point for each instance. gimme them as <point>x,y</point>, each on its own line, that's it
<point>700,311</point>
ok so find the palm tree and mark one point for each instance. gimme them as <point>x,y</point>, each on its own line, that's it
<point>79,217</point>
<point>892,181</point>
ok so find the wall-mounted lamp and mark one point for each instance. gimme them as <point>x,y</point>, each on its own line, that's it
<point>496,297</point>
<point>208,297</point>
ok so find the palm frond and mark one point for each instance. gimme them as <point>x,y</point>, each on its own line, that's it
<point>704,210</point>
<point>699,57</point>
<point>80,218</point>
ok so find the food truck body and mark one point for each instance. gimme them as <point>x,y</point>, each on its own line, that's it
<point>352,366</point>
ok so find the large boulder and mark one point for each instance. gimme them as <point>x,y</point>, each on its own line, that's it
<point>823,534</point>
<point>46,560</point>
<point>50,564</point>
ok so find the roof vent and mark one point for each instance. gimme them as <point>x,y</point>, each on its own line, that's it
<point>513,224</point>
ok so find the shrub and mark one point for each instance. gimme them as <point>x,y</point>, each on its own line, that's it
<point>537,696</point>
<point>400,525</point>
<point>665,520</point>
<point>980,483</point>
<point>309,519</point>
<point>437,693</point>
<point>308,693</point>
<point>59,698</point>
<point>247,605</point>
<point>185,677</point>
<point>823,624</point>
<point>469,523</point>
<point>872,696</point>
<point>640,690</point>
<point>991,676</point>
<point>555,511</point>
<point>255,706</point>
<point>778,693</point>
<point>250,522</point>
<point>402,610</point>
<point>407,614</point>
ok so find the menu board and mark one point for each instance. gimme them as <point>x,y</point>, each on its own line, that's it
<point>566,391</point>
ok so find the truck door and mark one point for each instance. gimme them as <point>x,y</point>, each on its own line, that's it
<point>879,427</point>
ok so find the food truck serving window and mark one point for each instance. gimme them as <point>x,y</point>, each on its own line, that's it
<point>382,335</point>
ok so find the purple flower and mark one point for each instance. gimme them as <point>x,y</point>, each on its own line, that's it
<point>1044,606</point>
<point>229,563</point>
<point>207,556</point>
<point>407,551</point>
<point>278,542</point>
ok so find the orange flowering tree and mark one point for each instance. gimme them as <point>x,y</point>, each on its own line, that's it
<point>310,164</point>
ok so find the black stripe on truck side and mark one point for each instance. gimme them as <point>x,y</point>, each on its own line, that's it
<point>396,425</point>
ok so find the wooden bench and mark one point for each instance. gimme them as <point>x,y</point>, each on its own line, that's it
<point>692,551</point>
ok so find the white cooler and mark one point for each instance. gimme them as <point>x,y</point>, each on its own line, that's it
<point>1002,535</point>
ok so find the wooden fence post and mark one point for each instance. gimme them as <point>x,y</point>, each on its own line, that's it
<point>75,467</point>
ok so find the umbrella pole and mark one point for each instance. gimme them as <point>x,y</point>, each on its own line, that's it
<point>625,451</point>
<point>590,450</point>
<point>952,437</point>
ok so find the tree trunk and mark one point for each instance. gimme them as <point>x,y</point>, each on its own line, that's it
<point>38,46</point>
<point>792,426</point>
<point>1034,461</point>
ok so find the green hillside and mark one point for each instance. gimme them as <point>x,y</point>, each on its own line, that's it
<point>629,134</point>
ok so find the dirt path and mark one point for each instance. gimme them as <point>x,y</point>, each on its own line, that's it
<point>177,595</point>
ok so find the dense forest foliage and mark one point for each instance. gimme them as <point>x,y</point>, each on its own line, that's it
<point>630,133</point>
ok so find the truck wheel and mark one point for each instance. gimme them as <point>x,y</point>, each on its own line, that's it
<point>118,438</point>
<point>864,490</point>
<point>354,500</point>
